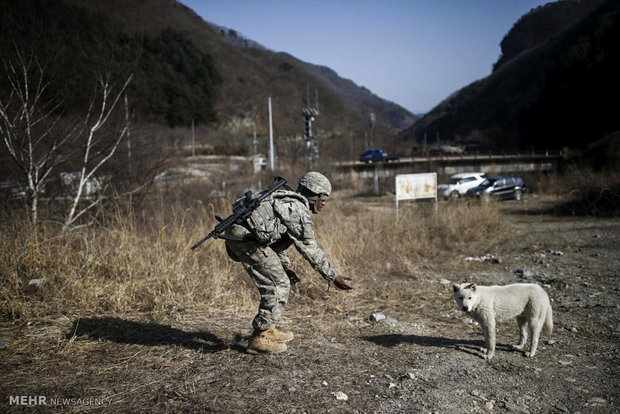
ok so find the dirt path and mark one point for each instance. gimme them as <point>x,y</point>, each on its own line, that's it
<point>426,359</point>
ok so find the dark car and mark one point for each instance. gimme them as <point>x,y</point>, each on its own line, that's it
<point>376,155</point>
<point>503,187</point>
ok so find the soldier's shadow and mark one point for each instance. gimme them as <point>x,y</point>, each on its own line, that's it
<point>146,333</point>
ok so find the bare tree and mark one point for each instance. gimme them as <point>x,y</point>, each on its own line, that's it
<point>28,126</point>
<point>98,115</point>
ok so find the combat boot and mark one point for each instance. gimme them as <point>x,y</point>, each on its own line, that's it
<point>261,342</point>
<point>279,336</point>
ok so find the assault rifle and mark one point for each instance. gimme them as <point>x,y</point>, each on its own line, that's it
<point>241,211</point>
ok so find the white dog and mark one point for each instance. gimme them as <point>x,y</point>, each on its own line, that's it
<point>527,302</point>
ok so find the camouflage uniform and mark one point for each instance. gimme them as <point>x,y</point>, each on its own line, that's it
<point>282,220</point>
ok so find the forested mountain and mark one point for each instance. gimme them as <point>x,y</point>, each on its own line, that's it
<point>185,69</point>
<point>174,80</point>
<point>553,87</point>
<point>541,24</point>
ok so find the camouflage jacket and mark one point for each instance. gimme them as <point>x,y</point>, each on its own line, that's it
<point>284,219</point>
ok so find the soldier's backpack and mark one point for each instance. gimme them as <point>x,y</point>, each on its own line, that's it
<point>264,223</point>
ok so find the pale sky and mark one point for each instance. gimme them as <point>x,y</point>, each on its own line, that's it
<point>411,52</point>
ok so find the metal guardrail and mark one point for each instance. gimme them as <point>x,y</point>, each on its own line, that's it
<point>456,157</point>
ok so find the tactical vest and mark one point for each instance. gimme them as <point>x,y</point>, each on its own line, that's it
<point>264,223</point>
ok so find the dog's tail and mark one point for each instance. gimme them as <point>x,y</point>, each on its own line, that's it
<point>549,321</point>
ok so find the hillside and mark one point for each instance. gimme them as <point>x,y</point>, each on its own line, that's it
<point>323,80</point>
<point>213,81</point>
<point>362,99</point>
<point>553,94</point>
<point>174,81</point>
<point>541,24</point>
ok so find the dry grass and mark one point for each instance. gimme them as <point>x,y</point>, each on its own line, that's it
<point>581,192</point>
<point>139,262</point>
<point>575,180</point>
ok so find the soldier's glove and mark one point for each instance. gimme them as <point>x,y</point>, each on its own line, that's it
<point>292,276</point>
<point>341,283</point>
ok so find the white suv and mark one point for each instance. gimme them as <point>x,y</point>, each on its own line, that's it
<point>458,184</point>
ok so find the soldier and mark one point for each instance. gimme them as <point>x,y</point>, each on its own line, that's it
<point>281,220</point>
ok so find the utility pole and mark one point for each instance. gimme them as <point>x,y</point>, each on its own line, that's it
<point>271,151</point>
<point>128,129</point>
<point>193,139</point>
<point>316,99</point>
<point>371,127</point>
<point>254,142</point>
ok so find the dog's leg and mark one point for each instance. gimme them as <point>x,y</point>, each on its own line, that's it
<point>485,332</point>
<point>535,328</point>
<point>522,322</point>
<point>490,336</point>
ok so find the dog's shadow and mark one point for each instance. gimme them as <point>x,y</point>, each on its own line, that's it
<point>469,346</point>
<point>146,333</point>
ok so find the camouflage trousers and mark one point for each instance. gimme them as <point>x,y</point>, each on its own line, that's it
<point>265,268</point>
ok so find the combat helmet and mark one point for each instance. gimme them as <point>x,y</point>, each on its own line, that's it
<point>314,186</point>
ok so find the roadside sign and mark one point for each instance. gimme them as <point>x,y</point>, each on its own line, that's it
<point>415,186</point>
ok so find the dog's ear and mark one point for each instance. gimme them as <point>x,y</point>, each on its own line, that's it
<point>473,287</point>
<point>455,287</point>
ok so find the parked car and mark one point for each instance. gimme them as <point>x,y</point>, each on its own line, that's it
<point>503,187</point>
<point>376,155</point>
<point>458,184</point>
